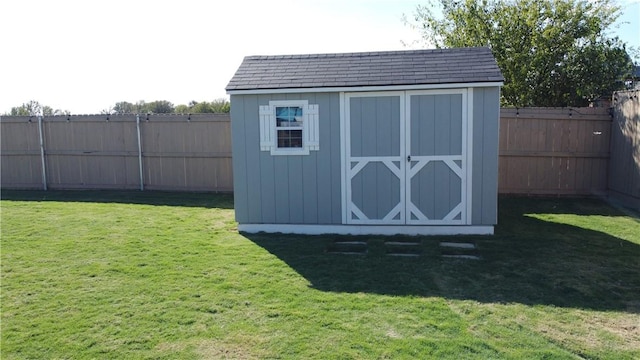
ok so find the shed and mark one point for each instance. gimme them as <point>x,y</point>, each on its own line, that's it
<point>394,142</point>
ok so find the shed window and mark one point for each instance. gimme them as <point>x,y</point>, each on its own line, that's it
<point>289,127</point>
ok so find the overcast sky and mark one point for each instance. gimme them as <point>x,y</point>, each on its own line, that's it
<point>84,56</point>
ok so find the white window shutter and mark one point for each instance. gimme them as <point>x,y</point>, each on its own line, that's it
<point>312,128</point>
<point>267,136</point>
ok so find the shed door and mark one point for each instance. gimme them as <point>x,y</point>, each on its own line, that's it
<point>406,158</point>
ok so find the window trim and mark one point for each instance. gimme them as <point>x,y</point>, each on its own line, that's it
<point>269,128</point>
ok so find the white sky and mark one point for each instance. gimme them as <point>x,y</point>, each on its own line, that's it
<point>84,56</point>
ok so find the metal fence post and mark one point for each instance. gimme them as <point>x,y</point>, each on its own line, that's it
<point>44,167</point>
<point>140,152</point>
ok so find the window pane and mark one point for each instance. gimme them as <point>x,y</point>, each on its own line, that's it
<point>287,116</point>
<point>289,138</point>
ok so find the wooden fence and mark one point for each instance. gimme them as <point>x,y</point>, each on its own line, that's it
<point>554,151</point>
<point>624,167</point>
<point>550,151</point>
<point>160,152</point>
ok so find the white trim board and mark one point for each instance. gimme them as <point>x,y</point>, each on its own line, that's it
<point>364,88</point>
<point>343,158</point>
<point>307,229</point>
<point>387,160</point>
<point>469,153</point>
<point>404,171</point>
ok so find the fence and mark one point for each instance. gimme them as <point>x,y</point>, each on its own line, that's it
<point>553,151</point>
<point>559,151</point>
<point>624,174</point>
<point>158,152</point>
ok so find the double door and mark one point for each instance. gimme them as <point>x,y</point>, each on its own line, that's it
<point>406,158</point>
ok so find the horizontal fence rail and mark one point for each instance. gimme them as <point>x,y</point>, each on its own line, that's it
<point>156,152</point>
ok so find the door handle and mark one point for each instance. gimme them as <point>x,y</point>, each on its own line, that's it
<point>408,158</point>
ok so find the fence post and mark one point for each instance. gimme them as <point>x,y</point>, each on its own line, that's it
<point>140,152</point>
<point>42,158</point>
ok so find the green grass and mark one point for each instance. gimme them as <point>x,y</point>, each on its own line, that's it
<point>167,276</point>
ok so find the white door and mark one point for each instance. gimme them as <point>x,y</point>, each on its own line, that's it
<point>406,158</point>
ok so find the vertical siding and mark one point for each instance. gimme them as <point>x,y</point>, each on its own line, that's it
<point>280,174</point>
<point>252,147</point>
<point>423,107</point>
<point>286,189</point>
<point>335,157</point>
<point>239,158</point>
<point>455,140</point>
<point>267,188</point>
<point>309,189</point>
<point>375,129</point>
<point>486,114</point>
<point>296,193</point>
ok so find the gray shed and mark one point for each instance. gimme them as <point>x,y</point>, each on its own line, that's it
<point>397,142</point>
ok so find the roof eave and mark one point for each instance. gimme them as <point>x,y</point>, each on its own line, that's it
<point>364,88</point>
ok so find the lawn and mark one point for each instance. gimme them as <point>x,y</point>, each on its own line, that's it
<point>135,275</point>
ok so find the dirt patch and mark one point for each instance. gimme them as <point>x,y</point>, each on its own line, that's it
<point>171,347</point>
<point>596,331</point>
<point>210,349</point>
<point>213,349</point>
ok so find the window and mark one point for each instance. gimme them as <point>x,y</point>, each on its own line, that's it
<point>289,127</point>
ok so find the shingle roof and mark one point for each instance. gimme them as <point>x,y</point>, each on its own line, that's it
<point>413,67</point>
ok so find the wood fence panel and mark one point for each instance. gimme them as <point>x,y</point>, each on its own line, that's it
<point>91,152</point>
<point>554,151</point>
<point>187,152</point>
<point>179,152</point>
<point>20,163</point>
<point>624,175</point>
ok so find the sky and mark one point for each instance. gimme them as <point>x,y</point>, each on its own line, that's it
<point>84,56</point>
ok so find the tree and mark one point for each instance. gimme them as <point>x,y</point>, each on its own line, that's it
<point>201,108</point>
<point>182,109</point>
<point>142,107</point>
<point>221,105</point>
<point>551,52</point>
<point>163,107</point>
<point>123,107</point>
<point>34,108</point>
<point>216,106</point>
<point>159,107</point>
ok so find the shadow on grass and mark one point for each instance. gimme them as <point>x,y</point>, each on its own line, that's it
<point>159,198</point>
<point>528,261</point>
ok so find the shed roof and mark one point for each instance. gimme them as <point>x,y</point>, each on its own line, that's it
<point>412,67</point>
